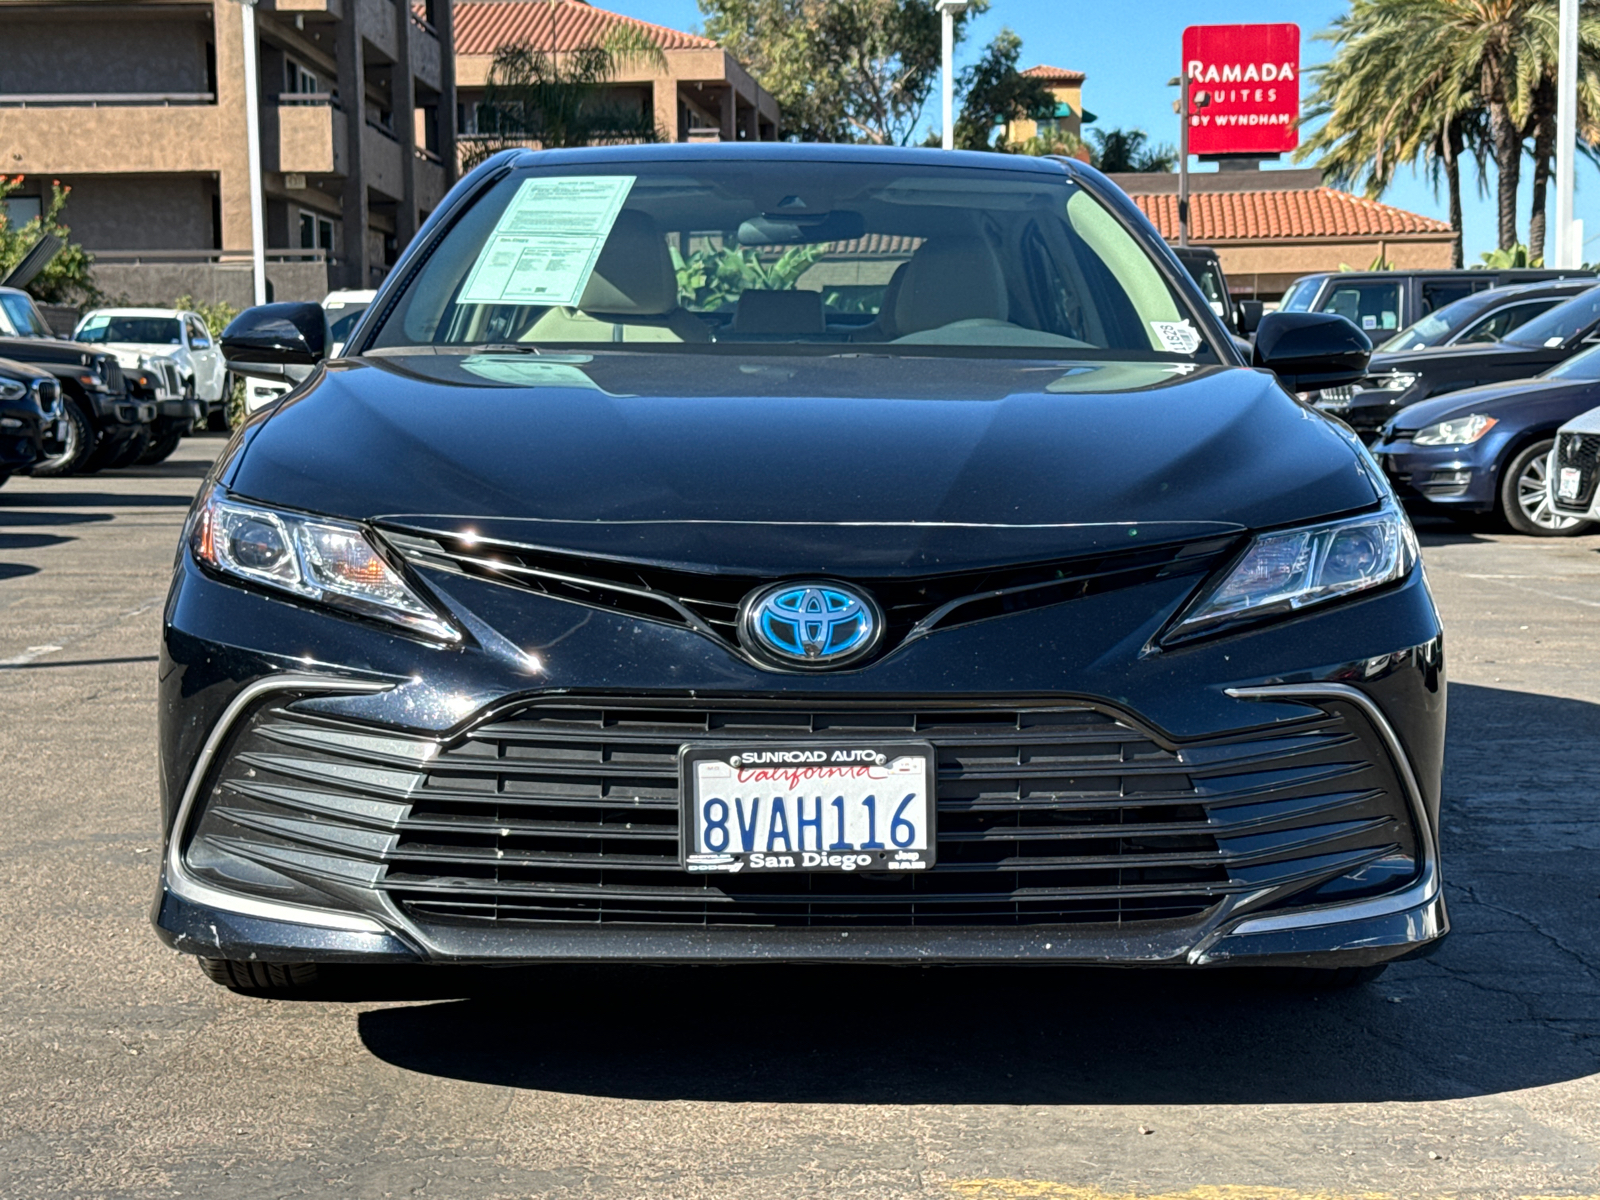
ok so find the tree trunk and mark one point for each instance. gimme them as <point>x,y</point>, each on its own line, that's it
<point>1508,169</point>
<point>1452,175</point>
<point>1544,148</point>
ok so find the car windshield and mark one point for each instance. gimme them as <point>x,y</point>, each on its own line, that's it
<point>342,319</point>
<point>1579,368</point>
<point>1299,296</point>
<point>25,319</point>
<point>164,331</point>
<point>799,256</point>
<point>1439,324</point>
<point>1562,323</point>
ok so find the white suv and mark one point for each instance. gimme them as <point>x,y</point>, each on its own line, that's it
<point>1573,470</point>
<point>132,334</point>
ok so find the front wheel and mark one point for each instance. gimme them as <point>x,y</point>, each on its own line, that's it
<point>161,448</point>
<point>75,451</point>
<point>1525,496</point>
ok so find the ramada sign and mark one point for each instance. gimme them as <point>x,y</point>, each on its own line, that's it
<point>1244,88</point>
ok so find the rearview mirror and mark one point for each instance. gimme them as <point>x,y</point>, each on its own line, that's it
<point>1307,351</point>
<point>277,341</point>
<point>1250,313</point>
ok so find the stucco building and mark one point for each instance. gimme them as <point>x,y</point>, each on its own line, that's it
<point>1271,227</point>
<point>140,108</point>
<point>1066,88</point>
<point>697,92</point>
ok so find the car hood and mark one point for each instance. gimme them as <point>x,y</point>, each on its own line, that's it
<point>128,354</point>
<point>48,350</point>
<point>12,369</point>
<point>1496,399</point>
<point>777,463</point>
<point>1434,356</point>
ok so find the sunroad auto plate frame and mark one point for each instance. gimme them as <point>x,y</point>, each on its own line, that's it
<point>823,774</point>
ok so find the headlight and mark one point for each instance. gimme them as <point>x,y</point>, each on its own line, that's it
<point>1292,569</point>
<point>1387,381</point>
<point>332,562</point>
<point>10,389</point>
<point>1459,431</point>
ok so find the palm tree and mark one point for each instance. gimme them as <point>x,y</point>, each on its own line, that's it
<point>537,96</point>
<point>1426,81</point>
<point>1387,101</point>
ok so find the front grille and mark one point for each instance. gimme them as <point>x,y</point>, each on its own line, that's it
<point>710,602</point>
<point>1582,452</point>
<point>567,812</point>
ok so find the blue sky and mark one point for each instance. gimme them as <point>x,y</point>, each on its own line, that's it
<point>1130,51</point>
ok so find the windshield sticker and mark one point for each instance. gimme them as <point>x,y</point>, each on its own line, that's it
<point>1552,342</point>
<point>1180,337</point>
<point>546,243</point>
<point>524,372</point>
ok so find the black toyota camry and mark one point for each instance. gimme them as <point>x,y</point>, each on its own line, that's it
<point>735,553</point>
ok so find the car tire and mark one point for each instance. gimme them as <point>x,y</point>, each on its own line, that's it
<point>1525,500</point>
<point>125,455</point>
<point>161,448</point>
<point>82,441</point>
<point>256,977</point>
<point>4,477</point>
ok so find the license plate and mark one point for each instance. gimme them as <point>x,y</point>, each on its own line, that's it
<point>854,807</point>
<point>1567,486</point>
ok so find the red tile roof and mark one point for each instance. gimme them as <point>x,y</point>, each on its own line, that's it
<point>1312,213</point>
<point>482,26</point>
<point>1055,74</point>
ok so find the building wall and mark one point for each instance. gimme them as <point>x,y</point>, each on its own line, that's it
<point>1069,94</point>
<point>141,212</point>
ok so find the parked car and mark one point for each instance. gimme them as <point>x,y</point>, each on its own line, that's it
<point>341,310</point>
<point>102,419</point>
<point>30,402</point>
<point>1384,302</point>
<point>1574,468</point>
<point>552,621</point>
<point>1484,451</point>
<point>138,337</point>
<point>1395,381</point>
<point>1486,316</point>
<point>1240,317</point>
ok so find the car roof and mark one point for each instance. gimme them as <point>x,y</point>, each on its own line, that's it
<point>793,152</point>
<point>135,312</point>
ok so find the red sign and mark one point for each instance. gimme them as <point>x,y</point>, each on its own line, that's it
<point>1244,88</point>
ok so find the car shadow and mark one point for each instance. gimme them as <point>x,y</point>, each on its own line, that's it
<point>31,541</point>
<point>1508,1002</point>
<point>1435,530</point>
<point>185,469</point>
<point>53,499</point>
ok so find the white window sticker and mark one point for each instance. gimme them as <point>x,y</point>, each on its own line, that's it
<point>546,243</point>
<point>1180,337</point>
<point>1369,322</point>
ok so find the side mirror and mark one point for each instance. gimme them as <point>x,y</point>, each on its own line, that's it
<point>1250,313</point>
<point>1308,351</point>
<point>276,341</point>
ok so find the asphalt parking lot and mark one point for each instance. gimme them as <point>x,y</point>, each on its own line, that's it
<point>124,1073</point>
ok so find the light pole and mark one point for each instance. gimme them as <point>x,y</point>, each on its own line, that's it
<point>1569,242</point>
<point>949,10</point>
<point>252,122</point>
<point>1181,82</point>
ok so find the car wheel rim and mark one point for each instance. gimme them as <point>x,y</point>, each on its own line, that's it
<point>69,447</point>
<point>1533,497</point>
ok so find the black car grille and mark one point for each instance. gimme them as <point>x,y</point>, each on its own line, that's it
<point>1582,452</point>
<point>565,812</point>
<point>710,602</point>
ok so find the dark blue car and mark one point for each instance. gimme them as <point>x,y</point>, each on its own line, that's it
<point>1482,451</point>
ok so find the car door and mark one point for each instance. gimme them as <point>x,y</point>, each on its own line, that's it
<point>208,366</point>
<point>1494,326</point>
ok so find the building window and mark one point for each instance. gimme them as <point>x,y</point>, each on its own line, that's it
<point>298,80</point>
<point>19,210</point>
<point>316,232</point>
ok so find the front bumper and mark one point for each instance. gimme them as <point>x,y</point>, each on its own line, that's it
<point>1455,477</point>
<point>21,434</point>
<point>118,409</point>
<point>1075,653</point>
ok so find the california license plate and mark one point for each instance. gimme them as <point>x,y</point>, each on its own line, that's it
<point>1568,483</point>
<point>856,807</point>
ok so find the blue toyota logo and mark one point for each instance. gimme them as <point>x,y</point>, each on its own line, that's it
<point>810,624</point>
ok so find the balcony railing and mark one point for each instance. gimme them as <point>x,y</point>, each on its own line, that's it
<point>136,257</point>
<point>103,99</point>
<point>307,99</point>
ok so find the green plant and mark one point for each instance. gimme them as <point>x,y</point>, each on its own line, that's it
<point>711,278</point>
<point>1128,150</point>
<point>67,278</point>
<point>1050,141</point>
<point>1503,260</point>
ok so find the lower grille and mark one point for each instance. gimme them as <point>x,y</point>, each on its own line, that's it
<point>568,812</point>
<point>1581,452</point>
